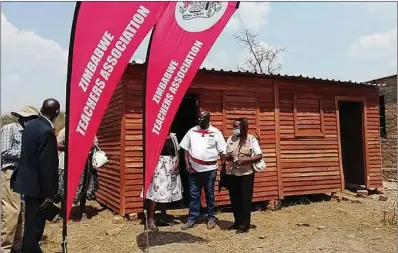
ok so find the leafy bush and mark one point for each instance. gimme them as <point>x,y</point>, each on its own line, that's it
<point>59,123</point>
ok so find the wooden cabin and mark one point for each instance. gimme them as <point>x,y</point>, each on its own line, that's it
<point>316,135</point>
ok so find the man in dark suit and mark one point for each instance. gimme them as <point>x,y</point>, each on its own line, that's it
<point>37,174</point>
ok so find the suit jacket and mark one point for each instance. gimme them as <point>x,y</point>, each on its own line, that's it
<point>37,172</point>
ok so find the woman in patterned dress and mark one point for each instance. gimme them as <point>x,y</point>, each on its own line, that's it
<point>166,185</point>
<point>88,184</point>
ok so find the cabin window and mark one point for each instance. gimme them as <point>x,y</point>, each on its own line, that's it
<point>382,117</point>
<point>308,116</point>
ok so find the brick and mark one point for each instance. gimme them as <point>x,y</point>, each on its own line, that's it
<point>362,193</point>
<point>274,205</point>
<point>132,216</point>
<point>383,197</point>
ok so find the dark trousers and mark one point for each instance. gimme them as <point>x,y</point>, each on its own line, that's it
<point>35,222</point>
<point>241,195</point>
<point>197,181</point>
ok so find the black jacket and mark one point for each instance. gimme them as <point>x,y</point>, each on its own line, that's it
<point>37,172</point>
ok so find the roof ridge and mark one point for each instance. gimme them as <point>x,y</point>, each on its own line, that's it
<point>254,74</point>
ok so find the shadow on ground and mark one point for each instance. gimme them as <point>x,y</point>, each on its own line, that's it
<point>304,200</point>
<point>75,215</point>
<point>290,201</point>
<point>161,238</point>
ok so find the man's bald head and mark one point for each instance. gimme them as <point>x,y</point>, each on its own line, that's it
<point>204,119</point>
<point>50,108</point>
<point>205,114</point>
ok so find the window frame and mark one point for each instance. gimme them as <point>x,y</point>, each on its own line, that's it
<point>304,133</point>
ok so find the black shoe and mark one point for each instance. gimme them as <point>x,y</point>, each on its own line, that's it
<point>242,231</point>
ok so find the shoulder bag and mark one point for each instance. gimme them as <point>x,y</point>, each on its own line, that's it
<point>259,166</point>
<point>99,158</point>
<point>176,147</point>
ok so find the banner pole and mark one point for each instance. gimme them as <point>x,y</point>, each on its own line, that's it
<point>144,119</point>
<point>64,243</point>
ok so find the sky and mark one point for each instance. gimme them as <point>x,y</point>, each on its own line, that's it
<point>337,40</point>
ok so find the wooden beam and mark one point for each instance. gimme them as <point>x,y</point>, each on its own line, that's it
<point>122,164</point>
<point>365,143</point>
<point>336,105</point>
<point>224,113</point>
<point>277,140</point>
<point>258,128</point>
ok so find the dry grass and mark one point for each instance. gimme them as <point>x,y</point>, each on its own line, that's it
<point>389,216</point>
<point>326,226</point>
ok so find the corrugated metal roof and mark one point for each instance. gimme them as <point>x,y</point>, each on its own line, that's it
<point>278,76</point>
<point>382,78</point>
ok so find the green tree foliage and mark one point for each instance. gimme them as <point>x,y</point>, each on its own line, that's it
<point>7,119</point>
<point>59,123</point>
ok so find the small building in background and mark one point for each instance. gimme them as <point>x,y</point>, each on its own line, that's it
<point>388,123</point>
<point>317,135</point>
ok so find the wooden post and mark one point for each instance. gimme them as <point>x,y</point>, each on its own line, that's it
<point>278,140</point>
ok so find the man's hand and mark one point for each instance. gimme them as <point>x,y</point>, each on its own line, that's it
<point>222,157</point>
<point>48,200</point>
<point>228,157</point>
<point>61,147</point>
<point>45,204</point>
<point>187,165</point>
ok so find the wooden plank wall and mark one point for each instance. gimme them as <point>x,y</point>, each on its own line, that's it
<point>227,101</point>
<point>295,164</point>
<point>109,137</point>
<point>213,101</point>
<point>311,163</point>
<point>373,141</point>
<point>133,141</point>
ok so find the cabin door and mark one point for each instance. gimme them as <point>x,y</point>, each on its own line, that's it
<point>352,143</point>
<point>184,120</point>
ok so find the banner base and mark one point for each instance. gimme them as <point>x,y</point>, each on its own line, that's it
<point>64,245</point>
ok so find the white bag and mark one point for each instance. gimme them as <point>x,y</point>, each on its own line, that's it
<point>259,166</point>
<point>99,158</point>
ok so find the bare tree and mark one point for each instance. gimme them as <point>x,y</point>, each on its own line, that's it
<point>262,58</point>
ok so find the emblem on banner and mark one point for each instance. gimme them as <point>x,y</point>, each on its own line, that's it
<point>199,16</point>
<point>192,10</point>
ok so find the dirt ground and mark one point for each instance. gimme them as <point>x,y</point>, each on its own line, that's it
<point>303,225</point>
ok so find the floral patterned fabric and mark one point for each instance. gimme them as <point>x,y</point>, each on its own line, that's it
<point>88,182</point>
<point>166,185</point>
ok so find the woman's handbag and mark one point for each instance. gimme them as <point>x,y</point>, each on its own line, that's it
<point>99,158</point>
<point>175,142</point>
<point>259,166</point>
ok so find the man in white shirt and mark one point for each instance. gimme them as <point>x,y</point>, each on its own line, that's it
<point>202,145</point>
